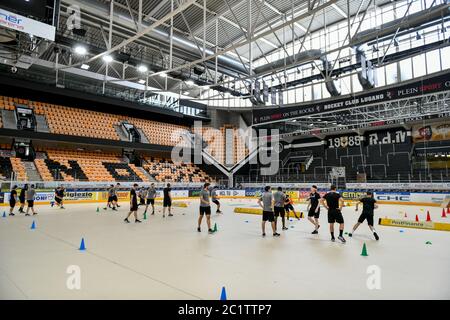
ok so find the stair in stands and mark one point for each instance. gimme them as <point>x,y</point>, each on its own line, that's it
<point>121,133</point>
<point>9,119</point>
<point>32,173</point>
<point>148,175</point>
<point>41,123</point>
<point>143,136</point>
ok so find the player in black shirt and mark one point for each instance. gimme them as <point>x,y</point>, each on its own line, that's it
<point>333,202</point>
<point>22,197</point>
<point>12,200</point>
<point>314,209</point>
<point>369,205</point>
<point>133,204</point>
<point>59,197</point>
<point>167,200</point>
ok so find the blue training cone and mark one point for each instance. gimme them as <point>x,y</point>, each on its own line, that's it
<point>82,246</point>
<point>223,294</point>
<point>4,214</point>
<point>33,225</point>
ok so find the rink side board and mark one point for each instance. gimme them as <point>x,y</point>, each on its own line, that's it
<point>428,225</point>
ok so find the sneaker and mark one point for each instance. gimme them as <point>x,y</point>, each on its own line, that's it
<point>315,232</point>
<point>12,214</point>
<point>34,213</point>
<point>118,206</point>
<point>350,235</point>
<point>137,221</point>
<point>284,228</point>
<point>170,215</point>
<point>105,208</point>
<point>153,213</point>
<point>210,231</point>
<point>27,214</point>
<point>376,236</point>
<point>342,239</point>
<point>263,234</point>
<point>126,220</point>
<point>333,239</point>
<point>276,234</point>
<point>199,230</point>
<point>164,216</point>
<point>114,209</point>
<point>62,207</point>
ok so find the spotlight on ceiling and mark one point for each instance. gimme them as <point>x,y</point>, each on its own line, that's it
<point>142,68</point>
<point>190,82</point>
<point>142,81</point>
<point>107,58</point>
<point>186,93</point>
<point>163,75</point>
<point>85,66</point>
<point>81,50</point>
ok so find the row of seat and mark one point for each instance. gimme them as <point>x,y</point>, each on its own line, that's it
<point>87,123</point>
<point>167,171</point>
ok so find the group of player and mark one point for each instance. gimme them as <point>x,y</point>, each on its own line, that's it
<point>27,196</point>
<point>273,205</point>
<point>278,204</point>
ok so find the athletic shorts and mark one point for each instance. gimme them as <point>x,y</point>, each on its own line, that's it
<point>58,200</point>
<point>22,200</point>
<point>134,207</point>
<point>335,216</point>
<point>279,211</point>
<point>110,199</point>
<point>151,201</point>
<point>12,203</point>
<point>268,216</point>
<point>364,216</point>
<point>205,211</point>
<point>142,201</point>
<point>289,207</point>
<point>114,198</point>
<point>216,202</point>
<point>30,203</point>
<point>167,203</point>
<point>312,213</point>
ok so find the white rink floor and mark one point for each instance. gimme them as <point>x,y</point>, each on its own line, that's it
<point>168,259</point>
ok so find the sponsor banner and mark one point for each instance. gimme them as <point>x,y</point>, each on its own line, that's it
<point>428,225</point>
<point>174,193</point>
<point>288,186</point>
<point>393,196</point>
<point>81,195</point>
<point>431,132</point>
<point>231,193</point>
<point>194,193</point>
<point>352,194</point>
<point>23,24</point>
<point>399,186</point>
<point>415,88</point>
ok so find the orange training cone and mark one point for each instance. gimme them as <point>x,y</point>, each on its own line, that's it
<point>417,218</point>
<point>448,210</point>
<point>428,216</point>
<point>443,213</point>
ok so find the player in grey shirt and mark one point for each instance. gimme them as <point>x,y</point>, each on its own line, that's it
<point>151,195</point>
<point>279,198</point>
<point>266,203</point>
<point>30,194</point>
<point>205,208</point>
<point>215,199</point>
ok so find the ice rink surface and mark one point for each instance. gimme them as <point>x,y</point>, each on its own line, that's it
<point>168,259</point>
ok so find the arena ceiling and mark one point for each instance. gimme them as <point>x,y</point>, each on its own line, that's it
<point>138,32</point>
